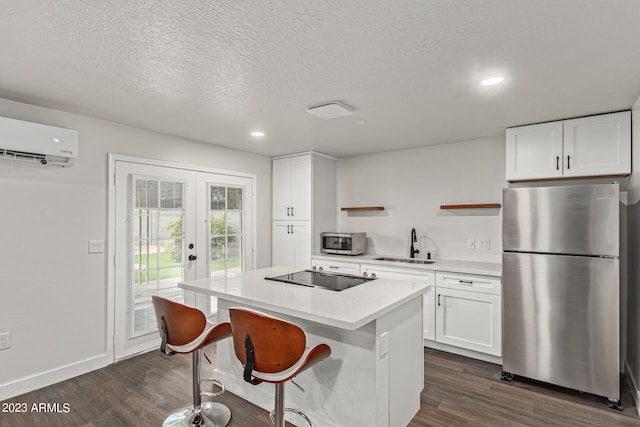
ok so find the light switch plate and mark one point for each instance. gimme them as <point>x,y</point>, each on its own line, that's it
<point>5,340</point>
<point>384,343</point>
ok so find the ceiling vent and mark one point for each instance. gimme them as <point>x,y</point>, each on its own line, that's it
<point>330,110</point>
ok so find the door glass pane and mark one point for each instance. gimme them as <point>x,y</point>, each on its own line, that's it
<point>156,230</point>
<point>227,232</point>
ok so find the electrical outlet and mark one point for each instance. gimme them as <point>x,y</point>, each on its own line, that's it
<point>483,245</point>
<point>96,246</point>
<point>5,340</point>
<point>471,244</point>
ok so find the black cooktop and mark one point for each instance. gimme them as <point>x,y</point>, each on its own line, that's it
<point>322,280</point>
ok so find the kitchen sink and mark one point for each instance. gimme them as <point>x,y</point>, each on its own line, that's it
<point>407,260</point>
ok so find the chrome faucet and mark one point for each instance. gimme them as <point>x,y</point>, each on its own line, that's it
<point>413,251</point>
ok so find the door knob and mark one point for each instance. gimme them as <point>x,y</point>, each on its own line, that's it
<point>192,257</point>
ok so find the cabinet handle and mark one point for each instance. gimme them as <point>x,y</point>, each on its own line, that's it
<point>333,266</point>
<point>291,210</point>
<point>438,300</point>
<point>288,232</point>
<point>288,214</point>
<point>292,229</point>
<point>557,163</point>
<point>568,162</point>
<point>465,282</point>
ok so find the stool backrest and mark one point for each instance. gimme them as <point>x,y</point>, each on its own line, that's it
<point>183,323</point>
<point>277,344</point>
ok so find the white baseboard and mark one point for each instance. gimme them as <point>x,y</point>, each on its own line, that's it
<point>43,379</point>
<point>463,352</point>
<point>635,392</point>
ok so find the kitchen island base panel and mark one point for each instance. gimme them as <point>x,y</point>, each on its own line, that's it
<point>370,379</point>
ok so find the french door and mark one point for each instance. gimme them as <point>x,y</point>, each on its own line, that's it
<point>173,224</point>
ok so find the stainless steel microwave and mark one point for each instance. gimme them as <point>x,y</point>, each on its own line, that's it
<point>344,243</point>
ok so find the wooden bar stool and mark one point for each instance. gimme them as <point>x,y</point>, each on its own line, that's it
<point>186,330</point>
<point>272,350</point>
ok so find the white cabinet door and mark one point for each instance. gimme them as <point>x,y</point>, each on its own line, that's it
<point>598,145</point>
<point>426,276</point>
<point>291,244</point>
<point>470,320</point>
<point>429,314</point>
<point>301,236</point>
<point>301,191</point>
<point>292,188</point>
<point>534,152</point>
<point>281,184</point>
<point>282,253</point>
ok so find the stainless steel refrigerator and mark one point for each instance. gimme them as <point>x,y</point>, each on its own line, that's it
<point>561,278</point>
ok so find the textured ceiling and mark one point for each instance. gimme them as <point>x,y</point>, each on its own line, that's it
<point>214,71</point>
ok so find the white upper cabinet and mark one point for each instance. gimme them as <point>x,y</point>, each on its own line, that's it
<point>292,188</point>
<point>598,145</point>
<point>534,151</point>
<point>588,146</point>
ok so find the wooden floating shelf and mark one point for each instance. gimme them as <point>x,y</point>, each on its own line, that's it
<point>472,206</point>
<point>364,208</point>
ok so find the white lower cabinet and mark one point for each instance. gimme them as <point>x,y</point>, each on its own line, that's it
<point>461,312</point>
<point>336,266</point>
<point>429,277</point>
<point>469,312</point>
<point>291,243</point>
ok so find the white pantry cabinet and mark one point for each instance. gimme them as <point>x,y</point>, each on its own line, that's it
<point>469,312</point>
<point>304,200</point>
<point>292,243</point>
<point>428,298</point>
<point>583,147</point>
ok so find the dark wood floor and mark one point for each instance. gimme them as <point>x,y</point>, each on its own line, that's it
<point>459,391</point>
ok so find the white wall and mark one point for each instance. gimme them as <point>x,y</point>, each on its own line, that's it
<point>412,184</point>
<point>52,292</point>
<point>633,255</point>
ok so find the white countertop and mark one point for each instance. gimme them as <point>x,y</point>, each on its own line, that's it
<point>450,265</point>
<point>348,309</point>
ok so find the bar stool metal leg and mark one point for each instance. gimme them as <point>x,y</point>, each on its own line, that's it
<point>277,415</point>
<point>208,414</point>
<point>279,409</point>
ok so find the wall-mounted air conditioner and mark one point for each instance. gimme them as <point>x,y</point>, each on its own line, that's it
<point>37,143</point>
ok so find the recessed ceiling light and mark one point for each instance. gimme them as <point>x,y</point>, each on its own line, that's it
<point>257,133</point>
<point>490,81</point>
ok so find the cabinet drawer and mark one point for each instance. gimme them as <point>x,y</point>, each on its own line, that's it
<point>469,282</point>
<point>337,266</point>
<point>399,273</point>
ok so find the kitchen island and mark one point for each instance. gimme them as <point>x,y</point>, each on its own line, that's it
<point>374,375</point>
